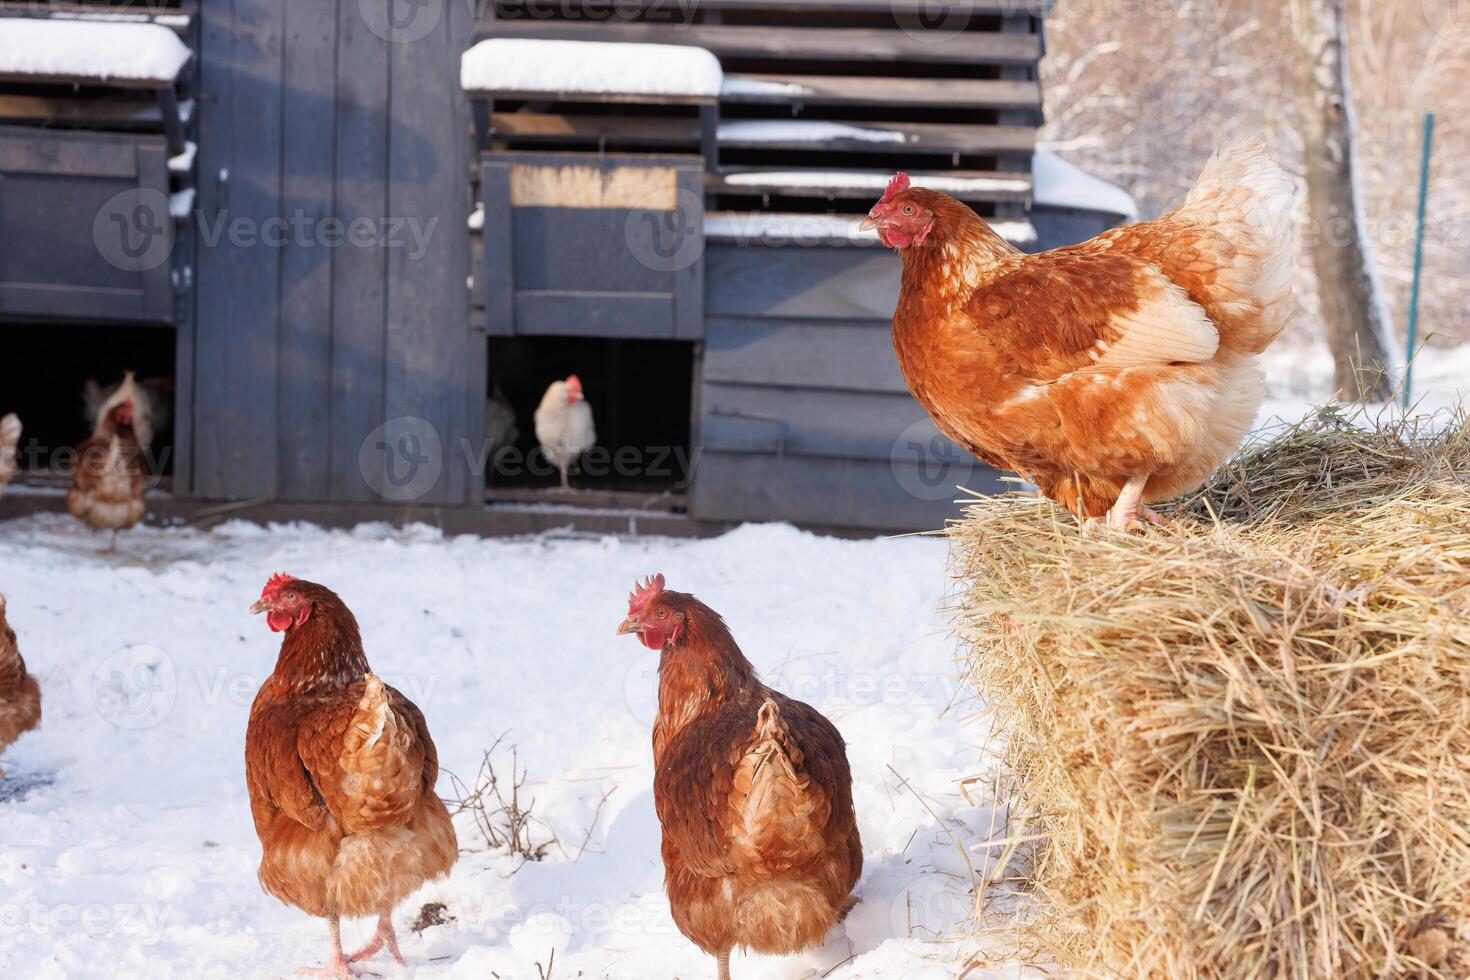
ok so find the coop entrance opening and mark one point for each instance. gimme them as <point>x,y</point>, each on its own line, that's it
<point>641,396</point>
<point>60,373</point>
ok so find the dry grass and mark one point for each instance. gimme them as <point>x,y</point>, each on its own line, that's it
<point>1244,742</point>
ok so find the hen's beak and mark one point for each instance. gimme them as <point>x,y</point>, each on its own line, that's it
<point>261,605</point>
<point>869,223</point>
<point>629,625</point>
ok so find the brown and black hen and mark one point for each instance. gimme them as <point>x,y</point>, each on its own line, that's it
<point>752,788</point>
<point>341,771</point>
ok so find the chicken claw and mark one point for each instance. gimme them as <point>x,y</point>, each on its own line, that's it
<point>383,937</point>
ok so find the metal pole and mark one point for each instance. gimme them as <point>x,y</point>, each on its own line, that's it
<point>1418,255</point>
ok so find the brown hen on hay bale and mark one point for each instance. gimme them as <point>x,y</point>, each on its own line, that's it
<point>1242,743</point>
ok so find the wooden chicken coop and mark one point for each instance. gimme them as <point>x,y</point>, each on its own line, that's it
<point>397,223</point>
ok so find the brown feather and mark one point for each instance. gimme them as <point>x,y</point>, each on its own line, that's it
<point>341,773</point>
<point>1131,354</point>
<point>753,790</point>
<point>20,695</point>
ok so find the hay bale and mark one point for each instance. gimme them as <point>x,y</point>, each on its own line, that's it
<point>1244,742</point>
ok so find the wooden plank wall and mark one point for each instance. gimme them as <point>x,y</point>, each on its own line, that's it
<point>311,113</point>
<point>803,413</point>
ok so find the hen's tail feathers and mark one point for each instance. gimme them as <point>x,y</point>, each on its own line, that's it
<point>382,761</point>
<point>9,440</point>
<point>1250,203</point>
<point>12,667</point>
<point>779,812</point>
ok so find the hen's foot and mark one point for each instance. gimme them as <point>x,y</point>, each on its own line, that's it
<point>384,937</point>
<point>336,969</point>
<point>1154,517</point>
<point>1125,513</point>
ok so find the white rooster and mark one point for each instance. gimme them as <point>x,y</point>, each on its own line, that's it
<point>564,425</point>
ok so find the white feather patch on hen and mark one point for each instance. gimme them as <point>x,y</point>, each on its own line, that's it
<point>1164,328</point>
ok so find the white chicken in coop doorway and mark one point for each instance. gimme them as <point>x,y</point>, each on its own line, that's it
<point>564,425</point>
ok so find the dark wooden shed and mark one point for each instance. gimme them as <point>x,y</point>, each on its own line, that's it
<point>385,214</point>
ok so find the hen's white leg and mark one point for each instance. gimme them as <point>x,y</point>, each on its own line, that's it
<point>336,967</point>
<point>724,962</point>
<point>1125,511</point>
<point>384,936</point>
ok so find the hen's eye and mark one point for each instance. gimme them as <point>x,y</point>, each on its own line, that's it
<point>291,596</point>
<point>663,613</point>
<point>908,209</point>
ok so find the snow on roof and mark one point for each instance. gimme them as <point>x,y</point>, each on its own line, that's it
<point>104,50</point>
<point>504,64</point>
<point>182,163</point>
<point>803,131</point>
<point>181,204</point>
<point>873,181</point>
<point>759,86</point>
<point>776,228</point>
<point>1060,184</point>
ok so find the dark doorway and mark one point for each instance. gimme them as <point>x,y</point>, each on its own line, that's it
<point>47,367</point>
<point>641,395</point>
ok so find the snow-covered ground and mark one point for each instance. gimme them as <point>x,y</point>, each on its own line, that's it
<point>1299,378</point>
<point>132,855</point>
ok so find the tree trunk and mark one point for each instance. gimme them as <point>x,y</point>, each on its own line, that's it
<point>1359,331</point>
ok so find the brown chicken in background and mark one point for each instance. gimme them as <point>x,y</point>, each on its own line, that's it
<point>107,479</point>
<point>752,788</point>
<point>20,695</point>
<point>1112,373</point>
<point>341,773</point>
<point>9,443</point>
<point>150,407</point>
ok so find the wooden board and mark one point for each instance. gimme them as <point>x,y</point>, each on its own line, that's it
<point>888,7</point>
<point>86,226</point>
<point>855,355</point>
<point>829,492</point>
<point>829,44</point>
<point>926,138</point>
<point>823,283</point>
<point>429,352</point>
<point>882,91</point>
<point>844,424</point>
<point>565,250</point>
<point>237,363</point>
<point>307,160</point>
<point>1009,186</point>
<point>358,274</point>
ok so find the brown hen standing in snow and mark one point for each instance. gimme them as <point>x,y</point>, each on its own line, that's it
<point>1112,373</point>
<point>107,480</point>
<point>341,771</point>
<point>20,695</point>
<point>752,788</point>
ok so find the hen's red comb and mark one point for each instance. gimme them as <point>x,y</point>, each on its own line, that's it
<point>896,186</point>
<point>574,382</point>
<point>644,594</point>
<point>275,583</point>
